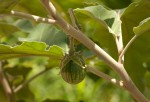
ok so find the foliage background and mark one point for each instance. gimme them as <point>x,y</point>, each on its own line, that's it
<point>99,21</point>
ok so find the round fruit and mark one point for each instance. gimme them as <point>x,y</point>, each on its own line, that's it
<point>73,68</point>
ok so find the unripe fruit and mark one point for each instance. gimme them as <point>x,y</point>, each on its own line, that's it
<point>73,68</point>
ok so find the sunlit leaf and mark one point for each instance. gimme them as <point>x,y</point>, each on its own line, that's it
<point>30,49</point>
<point>143,27</point>
<point>101,14</point>
<point>47,33</point>
<point>100,25</point>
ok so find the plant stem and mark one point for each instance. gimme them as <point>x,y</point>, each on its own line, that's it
<point>32,17</point>
<point>90,69</point>
<point>105,76</point>
<point>73,20</point>
<point>118,39</point>
<point>6,86</point>
<point>126,47</point>
<point>78,35</point>
<point>71,45</point>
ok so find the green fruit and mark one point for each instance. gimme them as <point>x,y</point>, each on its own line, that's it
<point>73,68</point>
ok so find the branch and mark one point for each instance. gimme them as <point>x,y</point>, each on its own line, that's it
<point>105,76</point>
<point>50,8</point>
<point>90,69</point>
<point>29,80</point>
<point>5,84</point>
<point>78,35</point>
<point>73,19</point>
<point>32,17</point>
<point>118,38</point>
<point>126,47</point>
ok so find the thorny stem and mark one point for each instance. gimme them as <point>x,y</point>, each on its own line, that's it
<point>6,86</point>
<point>78,35</point>
<point>29,80</point>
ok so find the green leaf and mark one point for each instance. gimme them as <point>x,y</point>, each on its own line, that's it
<point>143,27</point>
<point>138,52</point>
<point>7,5</point>
<point>43,32</point>
<point>30,49</point>
<point>24,25</point>
<point>101,14</point>
<point>99,24</point>
<point>132,16</point>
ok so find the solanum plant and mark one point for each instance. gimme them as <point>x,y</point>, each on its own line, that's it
<point>104,36</point>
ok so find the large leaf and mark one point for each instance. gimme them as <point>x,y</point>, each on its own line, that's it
<point>30,49</point>
<point>99,24</point>
<point>138,52</point>
<point>101,14</point>
<point>47,33</point>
